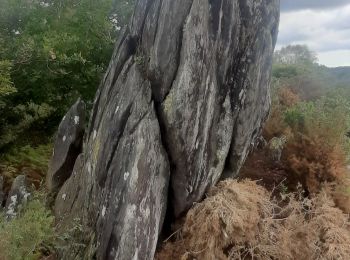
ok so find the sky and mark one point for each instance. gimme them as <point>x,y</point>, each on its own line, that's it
<point>323,25</point>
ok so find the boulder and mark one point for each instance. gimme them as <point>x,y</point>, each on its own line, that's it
<point>180,106</point>
<point>67,147</point>
<point>18,195</point>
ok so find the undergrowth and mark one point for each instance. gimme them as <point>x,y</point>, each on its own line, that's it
<point>30,235</point>
<point>317,151</point>
<point>27,160</point>
<point>37,157</point>
<point>241,220</point>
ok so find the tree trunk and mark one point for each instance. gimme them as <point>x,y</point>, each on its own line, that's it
<point>181,103</point>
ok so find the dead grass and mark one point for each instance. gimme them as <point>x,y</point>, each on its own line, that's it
<point>316,164</point>
<point>287,97</point>
<point>240,220</point>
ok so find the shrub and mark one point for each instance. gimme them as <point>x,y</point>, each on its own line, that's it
<point>282,98</point>
<point>295,117</point>
<point>287,97</point>
<point>329,119</point>
<point>6,86</point>
<point>242,221</point>
<point>316,152</point>
<point>22,118</point>
<point>313,163</point>
<point>27,235</point>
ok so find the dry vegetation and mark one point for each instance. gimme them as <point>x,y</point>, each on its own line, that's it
<point>241,220</point>
<point>317,148</point>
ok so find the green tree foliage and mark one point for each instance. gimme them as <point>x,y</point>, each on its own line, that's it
<point>296,67</point>
<point>52,52</point>
<point>6,86</point>
<point>327,116</point>
<point>295,54</point>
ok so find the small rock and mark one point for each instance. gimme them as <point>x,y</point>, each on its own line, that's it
<point>18,195</point>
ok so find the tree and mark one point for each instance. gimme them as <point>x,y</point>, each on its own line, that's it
<point>295,54</point>
<point>295,67</point>
<point>54,52</point>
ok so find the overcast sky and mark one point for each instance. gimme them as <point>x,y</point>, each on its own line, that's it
<point>324,25</point>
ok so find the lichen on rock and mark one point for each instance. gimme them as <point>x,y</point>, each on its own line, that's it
<point>18,195</point>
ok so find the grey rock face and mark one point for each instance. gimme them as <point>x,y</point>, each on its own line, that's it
<point>121,180</point>
<point>18,195</point>
<point>68,145</point>
<point>219,95</point>
<point>181,103</point>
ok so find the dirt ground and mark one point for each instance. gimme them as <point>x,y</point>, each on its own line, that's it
<point>259,167</point>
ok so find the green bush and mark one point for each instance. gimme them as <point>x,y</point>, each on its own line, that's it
<point>25,237</point>
<point>295,117</point>
<point>6,86</point>
<point>51,53</point>
<point>327,118</point>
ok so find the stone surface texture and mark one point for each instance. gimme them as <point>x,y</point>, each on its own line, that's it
<point>18,195</point>
<point>180,105</point>
<point>67,147</point>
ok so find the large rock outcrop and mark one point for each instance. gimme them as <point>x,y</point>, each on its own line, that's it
<point>181,103</point>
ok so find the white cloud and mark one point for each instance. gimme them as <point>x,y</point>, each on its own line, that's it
<point>335,58</point>
<point>325,31</point>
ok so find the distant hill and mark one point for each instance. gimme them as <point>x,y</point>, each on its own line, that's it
<point>333,77</point>
<point>296,66</point>
<point>312,80</point>
<point>340,75</point>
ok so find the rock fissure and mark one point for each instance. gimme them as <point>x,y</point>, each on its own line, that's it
<point>123,121</point>
<point>157,19</point>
